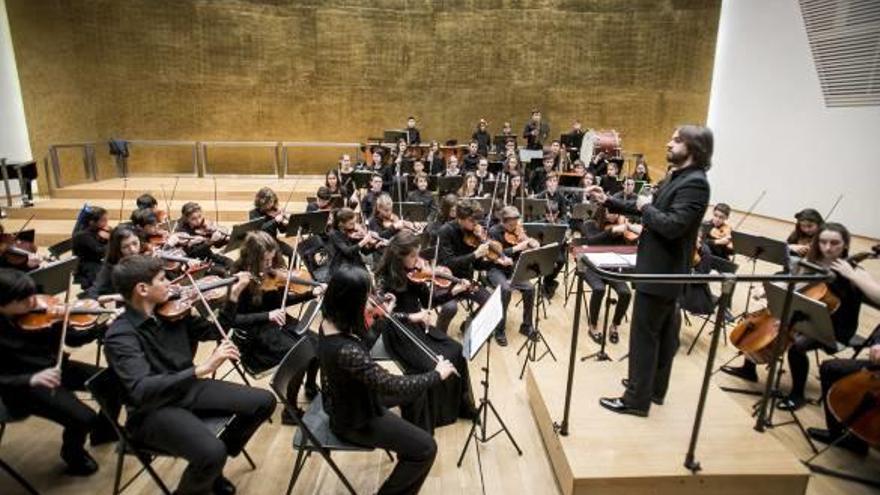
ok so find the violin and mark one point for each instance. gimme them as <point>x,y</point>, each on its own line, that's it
<point>301,281</point>
<point>18,252</point>
<point>477,237</point>
<point>174,258</point>
<point>84,314</point>
<point>518,236</point>
<point>720,232</point>
<point>208,230</point>
<point>855,402</point>
<point>441,275</point>
<point>103,233</point>
<point>182,298</point>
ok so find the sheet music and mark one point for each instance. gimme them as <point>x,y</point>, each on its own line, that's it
<point>482,325</point>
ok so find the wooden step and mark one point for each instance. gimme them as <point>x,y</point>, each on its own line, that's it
<point>51,231</point>
<point>194,188</point>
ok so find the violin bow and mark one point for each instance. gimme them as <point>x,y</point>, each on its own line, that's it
<point>433,278</point>
<point>216,204</point>
<point>210,311</point>
<point>289,273</point>
<point>833,207</point>
<point>122,199</point>
<point>751,209</point>
<point>65,324</point>
<point>23,226</point>
<point>168,208</point>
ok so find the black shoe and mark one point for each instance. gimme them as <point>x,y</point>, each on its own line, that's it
<point>103,435</point>
<point>79,462</point>
<point>613,337</point>
<point>741,372</point>
<point>617,405</point>
<point>791,403</point>
<point>287,419</point>
<point>311,390</point>
<point>501,339</point>
<point>468,411</point>
<point>526,330</point>
<point>550,288</point>
<point>597,337</point>
<point>849,443</point>
<point>223,486</point>
<point>656,400</point>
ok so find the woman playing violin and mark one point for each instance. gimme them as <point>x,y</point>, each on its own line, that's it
<point>348,240</point>
<point>346,190</point>
<point>274,219</point>
<point>452,398</point>
<point>800,239</point>
<point>90,244</point>
<point>384,221</point>
<point>265,331</point>
<point>829,248</point>
<point>33,382</point>
<point>717,233</point>
<point>123,243</point>
<point>513,239</point>
<point>199,236</point>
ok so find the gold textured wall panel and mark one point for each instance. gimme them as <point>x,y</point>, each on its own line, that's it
<point>342,70</point>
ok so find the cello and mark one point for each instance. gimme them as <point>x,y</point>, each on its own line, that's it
<point>855,403</point>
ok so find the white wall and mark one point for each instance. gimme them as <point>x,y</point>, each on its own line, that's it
<point>772,130</point>
<point>14,143</point>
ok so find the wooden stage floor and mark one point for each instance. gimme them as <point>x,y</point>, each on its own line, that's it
<point>32,445</point>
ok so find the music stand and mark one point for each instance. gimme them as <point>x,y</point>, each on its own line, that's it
<point>412,211</point>
<point>54,278</point>
<point>546,233</point>
<point>757,247</point>
<point>236,237</point>
<point>477,333</point>
<point>306,319</point>
<point>394,135</point>
<point>526,155</point>
<point>500,141</point>
<point>533,209</point>
<point>531,268</point>
<point>495,167</point>
<point>447,185</point>
<point>361,178</point>
<point>314,222</point>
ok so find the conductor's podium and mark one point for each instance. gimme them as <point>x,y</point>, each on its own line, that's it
<point>613,454</point>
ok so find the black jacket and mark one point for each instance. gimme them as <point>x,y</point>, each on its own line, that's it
<point>670,223</point>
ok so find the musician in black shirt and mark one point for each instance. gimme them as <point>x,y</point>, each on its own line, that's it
<point>355,387</point>
<point>482,137</point>
<point>423,195</point>
<point>536,131</point>
<point>434,159</point>
<point>538,178</point>
<point>470,160</point>
<point>413,136</point>
<point>166,393</point>
<point>90,244</point>
<point>499,275</point>
<point>610,182</point>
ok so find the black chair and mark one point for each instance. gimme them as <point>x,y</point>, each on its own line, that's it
<point>313,433</point>
<point>719,265</point>
<point>104,385</point>
<point>7,417</point>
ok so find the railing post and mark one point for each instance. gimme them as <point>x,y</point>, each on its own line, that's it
<point>56,165</point>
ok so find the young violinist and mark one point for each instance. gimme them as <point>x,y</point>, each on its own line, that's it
<point>145,224</point>
<point>452,398</point>
<point>32,382</point>
<point>348,241</point>
<point>147,201</point>
<point>445,213</point>
<point>166,392</point>
<point>452,169</point>
<point>830,249</point>
<point>199,236</point>
<point>606,229</point>
<point>461,249</point>
<point>274,219</point>
<point>90,245</point>
<point>265,331</point>
<point>539,175</point>
<point>801,238</point>
<point>434,159</point>
<point>355,388</point>
<point>384,221</point>
<point>334,183</point>
<point>16,257</point>
<point>323,201</point>
<point>470,160</point>
<point>717,232</point>
<point>551,193</point>
<point>369,201</point>
<point>509,232</point>
<point>610,181</point>
<point>123,243</point>
<point>423,195</point>
<point>470,186</point>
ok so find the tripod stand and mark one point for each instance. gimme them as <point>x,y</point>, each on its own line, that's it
<point>535,264</point>
<point>601,355</point>
<point>478,333</point>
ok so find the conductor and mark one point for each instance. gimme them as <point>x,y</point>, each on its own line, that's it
<point>670,220</point>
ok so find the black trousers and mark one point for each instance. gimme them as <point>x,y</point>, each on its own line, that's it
<point>415,450</point>
<point>450,308</point>
<point>500,279</point>
<point>178,430</point>
<point>62,406</point>
<point>830,372</point>
<point>652,346</point>
<point>598,287</point>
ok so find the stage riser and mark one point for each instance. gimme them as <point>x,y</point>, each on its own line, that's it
<point>193,195</point>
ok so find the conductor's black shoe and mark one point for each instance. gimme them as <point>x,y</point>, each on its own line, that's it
<point>79,462</point>
<point>656,400</point>
<point>311,390</point>
<point>223,486</point>
<point>747,374</point>
<point>617,405</point>
<point>501,339</point>
<point>853,445</point>
<point>791,403</point>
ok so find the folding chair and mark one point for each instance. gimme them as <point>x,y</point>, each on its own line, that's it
<point>104,385</point>
<point>7,417</point>
<point>719,265</point>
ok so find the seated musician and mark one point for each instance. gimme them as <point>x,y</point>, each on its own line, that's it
<point>23,262</point>
<point>346,190</point>
<point>323,200</point>
<point>199,236</point>
<point>509,233</point>
<point>801,238</point>
<point>348,241</point>
<point>145,224</point>
<point>628,193</point>
<point>610,181</point>
<point>123,243</point>
<point>553,216</point>
<point>829,248</point>
<point>90,244</point>
<point>445,213</point>
<point>717,232</point>
<point>434,159</point>
<point>831,372</point>
<point>516,190</point>
<point>482,137</point>
<point>166,393</point>
<point>556,152</point>
<point>355,388</point>
<point>462,257</point>
<point>539,175</point>
<point>274,218</point>
<point>452,169</point>
<point>641,172</point>
<point>384,221</point>
<point>511,164</point>
<point>402,158</point>
<point>369,201</point>
<point>265,331</point>
<point>32,383</point>
<point>470,160</point>
<point>423,195</point>
<point>147,201</point>
<point>452,398</point>
<point>551,193</point>
<point>598,164</point>
<point>483,173</point>
<point>470,186</point>
<point>607,229</point>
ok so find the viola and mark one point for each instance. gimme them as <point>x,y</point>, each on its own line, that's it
<point>518,236</point>
<point>208,230</point>
<point>175,258</point>
<point>855,402</point>
<point>441,275</point>
<point>18,252</point>
<point>84,314</point>
<point>477,237</point>
<point>301,281</point>
<point>182,298</point>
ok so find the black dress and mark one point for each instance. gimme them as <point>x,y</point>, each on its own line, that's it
<point>90,250</point>
<point>449,399</point>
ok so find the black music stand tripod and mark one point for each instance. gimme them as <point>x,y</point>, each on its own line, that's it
<point>533,265</point>
<point>479,332</point>
<point>601,355</point>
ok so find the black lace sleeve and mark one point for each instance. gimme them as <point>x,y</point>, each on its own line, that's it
<point>356,361</point>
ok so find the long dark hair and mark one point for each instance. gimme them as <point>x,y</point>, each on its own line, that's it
<point>814,255</point>
<point>390,271</point>
<point>700,143</point>
<point>250,259</point>
<point>345,299</point>
<point>114,245</point>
